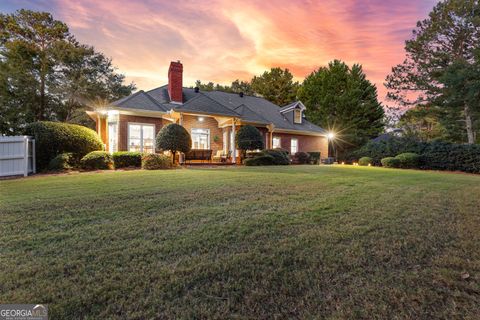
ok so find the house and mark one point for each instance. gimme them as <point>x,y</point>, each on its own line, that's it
<point>211,118</point>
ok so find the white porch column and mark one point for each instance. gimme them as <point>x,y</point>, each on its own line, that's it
<point>234,144</point>
<point>181,156</point>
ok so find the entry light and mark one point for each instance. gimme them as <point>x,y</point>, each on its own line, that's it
<point>201,119</point>
<point>331,135</point>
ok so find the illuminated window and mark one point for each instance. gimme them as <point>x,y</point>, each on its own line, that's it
<point>293,146</point>
<point>201,139</point>
<point>297,116</point>
<point>141,137</point>
<point>276,143</point>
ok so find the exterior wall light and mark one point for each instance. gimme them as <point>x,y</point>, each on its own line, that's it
<point>201,119</point>
<point>331,135</point>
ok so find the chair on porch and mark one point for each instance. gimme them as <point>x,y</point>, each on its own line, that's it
<point>199,154</point>
<point>221,156</point>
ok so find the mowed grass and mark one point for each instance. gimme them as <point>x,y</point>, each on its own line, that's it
<point>272,242</point>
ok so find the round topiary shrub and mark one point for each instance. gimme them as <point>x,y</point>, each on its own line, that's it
<point>365,161</point>
<point>302,157</point>
<point>125,159</point>
<point>53,138</point>
<point>96,160</point>
<point>153,161</point>
<point>249,138</point>
<point>174,137</point>
<point>262,160</point>
<point>390,162</point>
<point>63,161</point>
<point>408,160</point>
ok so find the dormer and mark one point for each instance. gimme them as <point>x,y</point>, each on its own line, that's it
<point>294,112</point>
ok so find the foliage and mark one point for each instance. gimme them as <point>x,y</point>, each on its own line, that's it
<point>124,159</point>
<point>453,157</point>
<point>237,86</point>
<point>97,160</point>
<point>301,157</point>
<point>63,161</point>
<point>365,161</point>
<point>314,157</point>
<point>276,85</point>
<point>175,138</point>
<point>390,162</point>
<point>45,74</point>
<point>53,138</point>
<point>280,156</point>
<point>153,161</point>
<point>261,160</point>
<point>423,123</point>
<point>442,64</point>
<point>341,99</point>
<point>249,138</point>
<point>408,160</point>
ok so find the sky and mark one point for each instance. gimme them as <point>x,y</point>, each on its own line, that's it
<point>224,40</point>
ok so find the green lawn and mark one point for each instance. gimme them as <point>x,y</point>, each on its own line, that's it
<point>272,242</point>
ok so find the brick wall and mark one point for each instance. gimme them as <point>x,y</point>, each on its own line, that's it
<point>123,127</point>
<point>305,143</point>
<point>192,122</point>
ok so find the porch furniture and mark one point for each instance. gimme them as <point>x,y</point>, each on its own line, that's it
<point>221,156</point>
<point>199,154</point>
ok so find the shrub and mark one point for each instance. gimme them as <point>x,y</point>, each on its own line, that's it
<point>174,137</point>
<point>123,159</point>
<point>390,162</point>
<point>314,157</point>
<point>301,157</point>
<point>280,156</point>
<point>249,138</point>
<point>96,160</point>
<point>53,138</point>
<point>454,157</point>
<point>408,160</point>
<point>262,160</point>
<point>365,161</point>
<point>153,161</point>
<point>63,161</point>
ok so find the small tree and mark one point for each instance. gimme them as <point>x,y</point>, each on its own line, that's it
<point>249,138</point>
<point>174,137</point>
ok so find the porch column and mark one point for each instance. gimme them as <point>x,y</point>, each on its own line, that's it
<point>234,144</point>
<point>181,155</point>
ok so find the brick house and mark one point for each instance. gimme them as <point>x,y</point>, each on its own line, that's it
<point>211,118</point>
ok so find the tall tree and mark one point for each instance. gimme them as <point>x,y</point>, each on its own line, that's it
<point>45,74</point>
<point>446,40</point>
<point>343,100</point>
<point>276,85</point>
<point>423,123</point>
<point>237,86</point>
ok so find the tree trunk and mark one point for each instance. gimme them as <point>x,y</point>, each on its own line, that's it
<point>469,125</point>
<point>173,160</point>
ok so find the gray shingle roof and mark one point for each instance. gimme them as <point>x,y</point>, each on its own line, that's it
<point>248,108</point>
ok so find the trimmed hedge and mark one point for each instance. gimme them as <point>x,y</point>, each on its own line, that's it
<point>96,160</point>
<point>301,157</point>
<point>408,160</point>
<point>280,156</point>
<point>365,161</point>
<point>63,161</point>
<point>314,157</point>
<point>262,160</point>
<point>390,162</point>
<point>125,159</point>
<point>153,161</point>
<point>54,138</point>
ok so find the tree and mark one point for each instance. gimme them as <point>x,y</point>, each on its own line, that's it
<point>443,46</point>
<point>276,86</point>
<point>342,100</point>
<point>249,138</point>
<point>174,138</point>
<point>237,86</point>
<point>45,74</point>
<point>423,123</point>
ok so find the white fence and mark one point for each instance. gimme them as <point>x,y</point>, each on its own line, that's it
<point>17,155</point>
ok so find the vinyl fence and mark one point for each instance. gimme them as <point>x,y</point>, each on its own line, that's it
<point>17,155</point>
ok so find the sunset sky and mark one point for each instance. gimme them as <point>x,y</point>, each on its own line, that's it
<point>223,40</point>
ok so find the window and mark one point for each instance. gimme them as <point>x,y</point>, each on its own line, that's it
<point>141,137</point>
<point>293,146</point>
<point>276,143</point>
<point>297,116</point>
<point>112,137</point>
<point>200,138</point>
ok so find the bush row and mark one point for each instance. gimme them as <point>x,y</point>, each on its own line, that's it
<point>434,155</point>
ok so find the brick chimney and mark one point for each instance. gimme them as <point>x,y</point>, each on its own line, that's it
<point>175,82</point>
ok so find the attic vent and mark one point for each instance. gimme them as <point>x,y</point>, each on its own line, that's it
<point>241,94</point>
<point>197,89</point>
